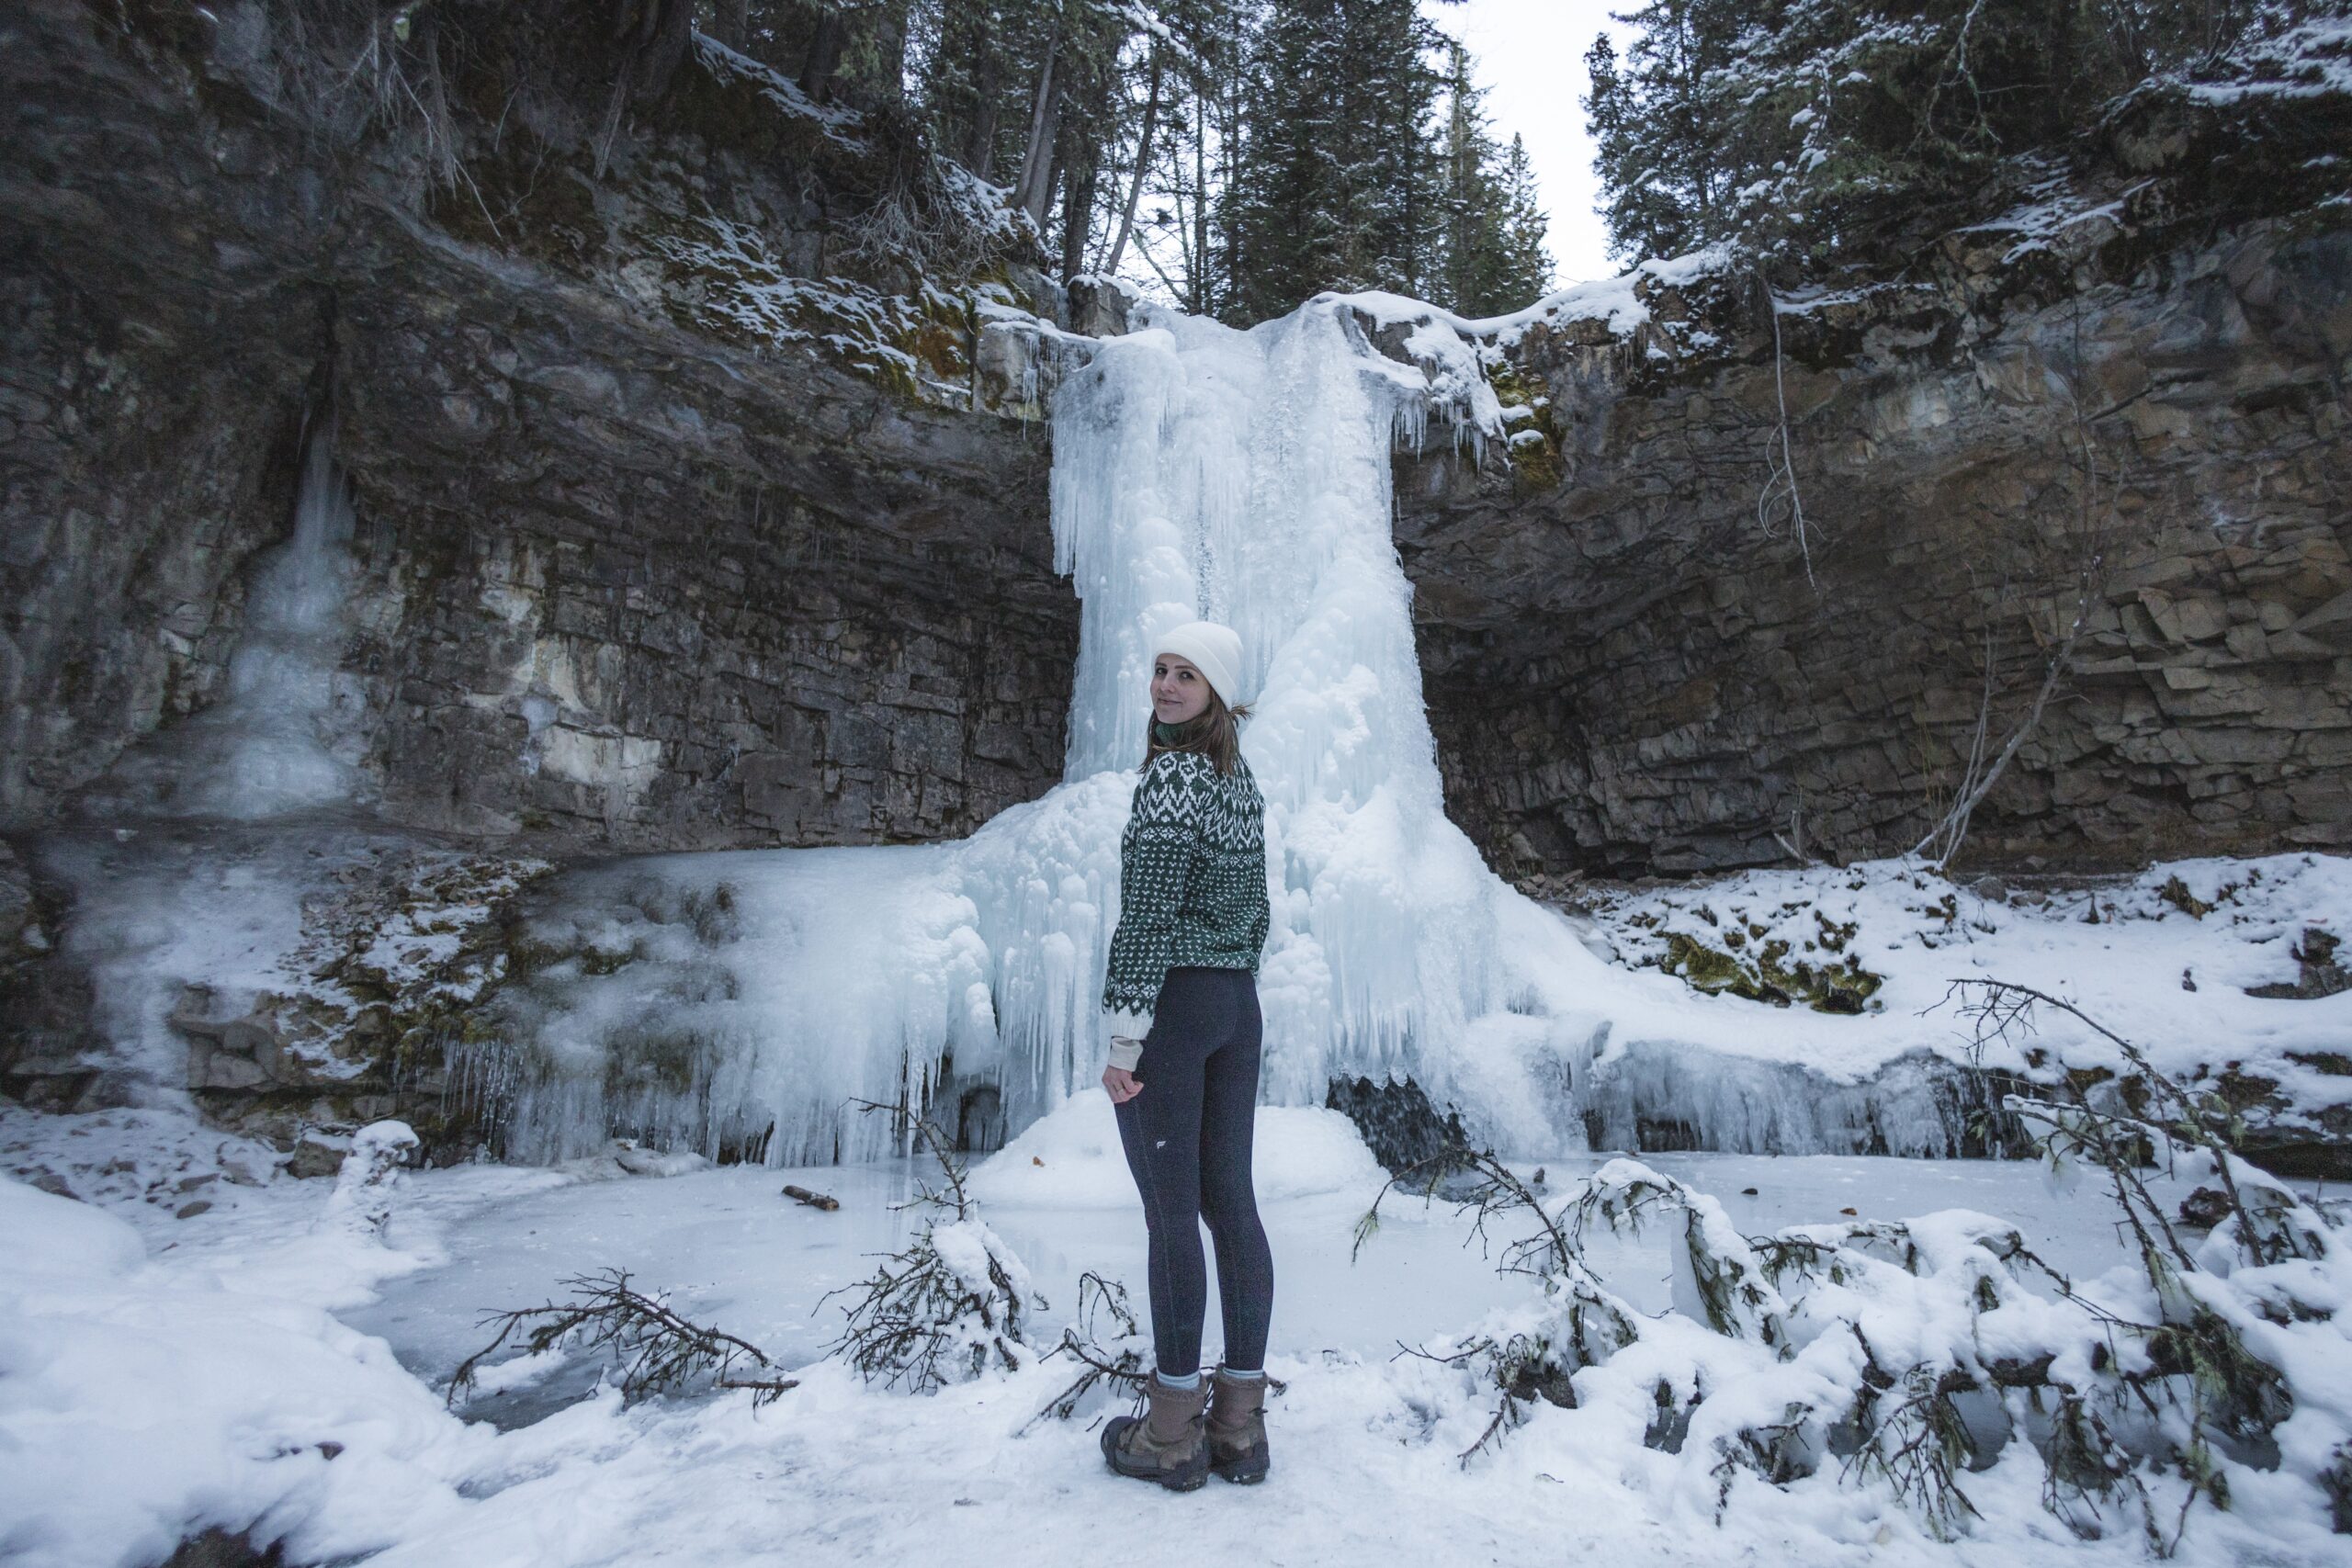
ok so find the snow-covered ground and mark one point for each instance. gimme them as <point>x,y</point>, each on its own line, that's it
<point>272,1364</point>
<point>2168,959</point>
<point>735,1252</point>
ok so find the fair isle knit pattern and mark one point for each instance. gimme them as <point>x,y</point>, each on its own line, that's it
<point>1191,880</point>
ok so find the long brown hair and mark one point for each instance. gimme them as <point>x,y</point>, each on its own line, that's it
<point>1215,732</point>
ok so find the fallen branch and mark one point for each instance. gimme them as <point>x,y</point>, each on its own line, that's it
<point>660,1352</point>
<point>1946,836</point>
<point>1784,470</point>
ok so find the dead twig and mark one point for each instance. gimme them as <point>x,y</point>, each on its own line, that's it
<point>1941,842</point>
<point>934,1313</point>
<point>1122,1363</point>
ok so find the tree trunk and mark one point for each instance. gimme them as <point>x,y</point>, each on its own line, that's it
<point>890,53</point>
<point>979,152</point>
<point>1142,162</point>
<point>650,39</point>
<point>824,55</point>
<point>664,29</point>
<point>1035,189</point>
<point>1197,275</point>
<point>1078,207</point>
<point>730,24</point>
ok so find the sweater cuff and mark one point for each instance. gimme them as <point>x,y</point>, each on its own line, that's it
<point>1128,1025</point>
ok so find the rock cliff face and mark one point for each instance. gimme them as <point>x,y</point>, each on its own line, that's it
<point>653,549</point>
<point>2130,411</point>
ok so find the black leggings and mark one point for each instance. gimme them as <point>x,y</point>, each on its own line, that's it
<point>1187,1137</point>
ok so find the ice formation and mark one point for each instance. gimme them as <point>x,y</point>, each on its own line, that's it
<point>742,1004</point>
<point>1245,477</point>
<point>286,736</point>
<point>1199,471</point>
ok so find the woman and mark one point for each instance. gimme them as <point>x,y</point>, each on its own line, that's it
<point>1181,1002</point>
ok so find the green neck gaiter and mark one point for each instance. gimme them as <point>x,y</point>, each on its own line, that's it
<point>1179,735</point>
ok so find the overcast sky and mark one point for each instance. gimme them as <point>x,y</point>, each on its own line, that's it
<point>1529,57</point>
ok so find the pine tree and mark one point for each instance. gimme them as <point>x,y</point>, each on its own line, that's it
<point>1525,272</point>
<point>1175,183</point>
<point>1336,184</point>
<point>1490,255</point>
<point>852,50</point>
<point>1031,95</point>
<point>1808,130</point>
<point>1663,124</point>
<point>1471,204</point>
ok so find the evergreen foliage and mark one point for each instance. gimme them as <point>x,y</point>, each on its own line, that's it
<point>1246,153</point>
<point>1807,129</point>
<point>1349,177</point>
<point>1490,255</point>
<point>1337,184</point>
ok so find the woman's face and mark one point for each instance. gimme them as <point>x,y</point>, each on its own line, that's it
<point>1179,691</point>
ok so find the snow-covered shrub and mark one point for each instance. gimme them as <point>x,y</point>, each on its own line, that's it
<point>1528,1355</point>
<point>362,1200</point>
<point>948,1306</point>
<point>1910,1354</point>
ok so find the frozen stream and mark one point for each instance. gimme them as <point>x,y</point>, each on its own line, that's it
<point>733,1250</point>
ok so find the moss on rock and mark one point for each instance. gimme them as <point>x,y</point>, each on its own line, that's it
<point>1766,976</point>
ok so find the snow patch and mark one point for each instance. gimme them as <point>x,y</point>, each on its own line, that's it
<point>1073,1158</point>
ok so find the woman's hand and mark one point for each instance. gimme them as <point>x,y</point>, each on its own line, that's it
<point>1121,1084</point>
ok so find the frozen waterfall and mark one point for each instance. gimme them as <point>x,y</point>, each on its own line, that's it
<point>1245,477</point>
<point>1198,471</point>
<point>220,827</point>
<point>287,733</point>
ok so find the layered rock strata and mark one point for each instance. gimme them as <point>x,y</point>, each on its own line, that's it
<point>635,566</point>
<point>2127,408</point>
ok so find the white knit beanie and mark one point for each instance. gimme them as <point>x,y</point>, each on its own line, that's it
<point>1213,650</point>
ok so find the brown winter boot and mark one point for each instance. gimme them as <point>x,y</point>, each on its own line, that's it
<point>1168,1445</point>
<point>1236,1428</point>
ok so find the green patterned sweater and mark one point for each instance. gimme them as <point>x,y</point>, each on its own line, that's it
<point>1191,885</point>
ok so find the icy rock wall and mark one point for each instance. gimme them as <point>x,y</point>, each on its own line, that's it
<point>632,575</point>
<point>194,960</point>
